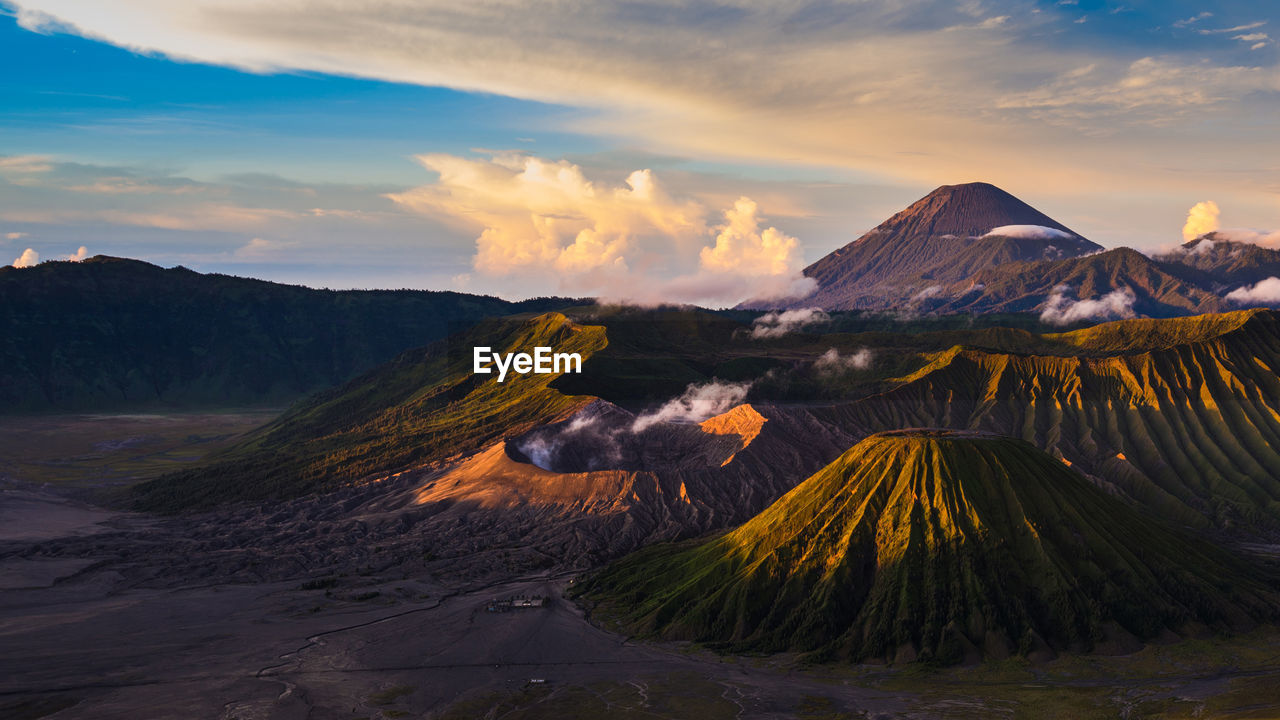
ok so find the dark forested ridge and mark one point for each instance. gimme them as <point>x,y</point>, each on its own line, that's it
<point>112,333</point>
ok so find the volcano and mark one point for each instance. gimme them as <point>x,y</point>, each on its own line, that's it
<point>944,238</point>
<point>936,545</point>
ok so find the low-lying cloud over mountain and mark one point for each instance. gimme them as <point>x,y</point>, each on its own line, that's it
<point>1061,310</point>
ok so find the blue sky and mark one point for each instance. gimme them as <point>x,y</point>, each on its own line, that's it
<point>489,147</point>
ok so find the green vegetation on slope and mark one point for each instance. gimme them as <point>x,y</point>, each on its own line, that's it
<point>425,406</point>
<point>1190,433</point>
<point>109,333</point>
<point>935,546</point>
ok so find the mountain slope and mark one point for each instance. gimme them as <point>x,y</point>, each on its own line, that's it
<point>935,545</point>
<point>425,406</point>
<point>109,333</point>
<point>1182,416</point>
<point>1024,287</point>
<point>1226,262</point>
<point>940,239</point>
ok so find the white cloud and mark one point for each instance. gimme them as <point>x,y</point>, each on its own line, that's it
<point>1029,232</point>
<point>1265,292</point>
<point>80,254</point>
<point>697,403</point>
<point>833,363</point>
<point>1263,238</point>
<point>1201,218</point>
<point>743,248</point>
<point>1115,305</point>
<point>627,242</point>
<point>28,258</point>
<point>777,324</point>
<point>925,294</point>
<point>14,235</point>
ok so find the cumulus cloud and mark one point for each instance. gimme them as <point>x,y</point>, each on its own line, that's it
<point>1029,232</point>
<point>832,362</point>
<point>630,241</point>
<point>697,403</point>
<point>80,254</point>
<point>1265,292</point>
<point>743,248</point>
<point>1201,218</point>
<point>1061,310</point>
<point>777,324</point>
<point>28,258</point>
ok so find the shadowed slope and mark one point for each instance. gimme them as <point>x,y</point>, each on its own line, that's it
<point>935,545</point>
<point>111,333</point>
<point>426,406</point>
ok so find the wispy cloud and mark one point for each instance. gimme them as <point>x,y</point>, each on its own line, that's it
<point>776,324</point>
<point>695,404</point>
<point>961,85</point>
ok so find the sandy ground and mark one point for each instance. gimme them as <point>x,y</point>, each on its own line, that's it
<point>83,631</point>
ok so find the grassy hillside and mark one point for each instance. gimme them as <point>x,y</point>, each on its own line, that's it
<point>425,406</point>
<point>109,333</point>
<point>934,546</point>
<point>1190,431</point>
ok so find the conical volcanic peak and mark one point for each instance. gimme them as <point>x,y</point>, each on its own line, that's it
<point>971,209</point>
<point>940,241</point>
<point>936,545</point>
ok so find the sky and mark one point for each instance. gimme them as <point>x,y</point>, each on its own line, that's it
<point>637,149</point>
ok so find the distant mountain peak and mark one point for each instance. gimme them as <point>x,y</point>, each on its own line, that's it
<point>967,210</point>
<point>943,238</point>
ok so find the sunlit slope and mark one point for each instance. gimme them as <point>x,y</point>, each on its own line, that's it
<point>1190,432</point>
<point>934,545</point>
<point>425,406</point>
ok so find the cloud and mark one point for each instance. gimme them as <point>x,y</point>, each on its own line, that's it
<point>539,215</point>
<point>1029,232</point>
<point>28,258</point>
<point>743,248</point>
<point>23,164</point>
<point>1263,238</point>
<point>697,403</point>
<point>1201,218</point>
<point>857,84</point>
<point>261,248</point>
<point>14,235</point>
<point>79,255</point>
<point>1115,305</point>
<point>777,324</point>
<point>832,362</point>
<point>1265,292</point>
<point>925,294</point>
<point>632,241</point>
<point>1193,19</point>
